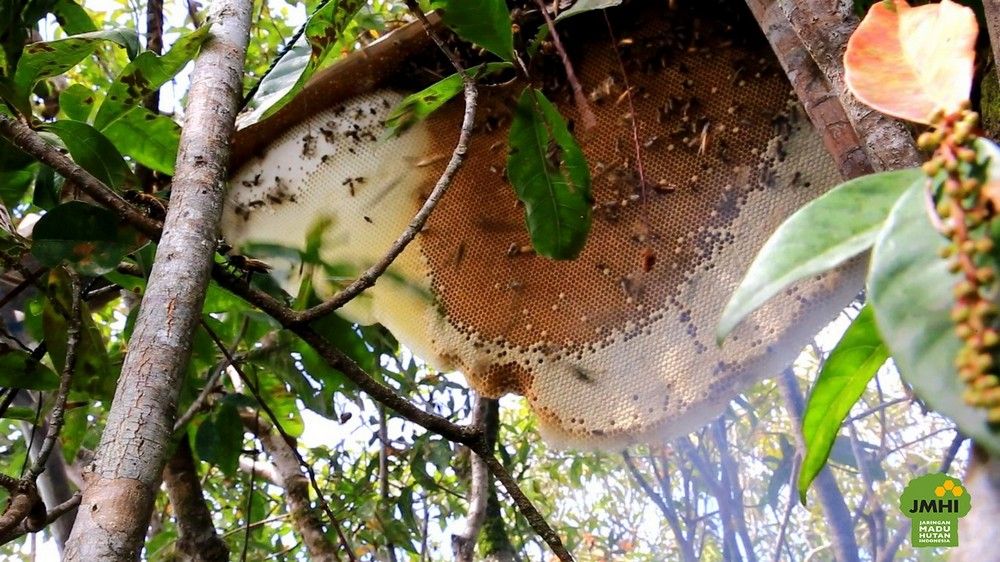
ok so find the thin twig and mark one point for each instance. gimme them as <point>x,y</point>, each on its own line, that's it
<point>368,278</point>
<point>59,408</point>
<point>201,402</point>
<point>28,281</point>
<point>321,498</point>
<point>252,477</point>
<point>582,107</point>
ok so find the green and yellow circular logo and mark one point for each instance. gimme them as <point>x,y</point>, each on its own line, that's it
<point>935,503</point>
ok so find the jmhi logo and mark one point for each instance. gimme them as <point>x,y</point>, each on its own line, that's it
<point>935,502</point>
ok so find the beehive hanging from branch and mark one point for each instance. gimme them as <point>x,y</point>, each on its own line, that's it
<point>618,345</point>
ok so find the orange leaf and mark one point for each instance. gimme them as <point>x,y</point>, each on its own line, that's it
<point>910,62</point>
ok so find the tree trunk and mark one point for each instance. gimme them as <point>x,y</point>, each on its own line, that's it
<point>125,476</point>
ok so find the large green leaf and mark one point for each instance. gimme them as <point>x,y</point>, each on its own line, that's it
<point>485,22</point>
<point>829,230</point>
<point>550,175</point>
<point>18,369</point>
<point>318,45</point>
<point>417,107</point>
<point>910,288</point>
<point>51,58</point>
<point>149,138</point>
<point>72,17</point>
<point>90,238</point>
<point>92,151</point>
<point>841,382</point>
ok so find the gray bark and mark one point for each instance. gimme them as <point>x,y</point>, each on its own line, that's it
<point>125,476</point>
<point>197,541</point>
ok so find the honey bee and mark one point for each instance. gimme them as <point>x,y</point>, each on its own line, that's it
<point>248,266</point>
<point>150,204</point>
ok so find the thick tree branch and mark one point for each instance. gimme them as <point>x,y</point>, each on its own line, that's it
<point>135,442</point>
<point>197,541</point>
<point>818,98</point>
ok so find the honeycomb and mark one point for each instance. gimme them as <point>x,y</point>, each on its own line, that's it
<point>617,346</point>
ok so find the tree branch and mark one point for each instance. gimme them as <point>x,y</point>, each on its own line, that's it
<point>463,543</point>
<point>59,408</point>
<point>197,540</point>
<point>54,514</point>
<point>524,505</point>
<point>824,26</point>
<point>23,137</point>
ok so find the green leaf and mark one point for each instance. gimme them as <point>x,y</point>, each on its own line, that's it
<point>77,102</point>
<point>550,175</point>
<point>486,23</point>
<point>145,74</point>
<point>582,6</point>
<point>92,151</point>
<point>17,174</point>
<point>19,370</point>
<point>910,288</point>
<point>841,382</point>
<point>312,51</point>
<point>826,232</point>
<point>151,139</point>
<point>52,58</point>
<point>90,238</point>
<point>219,439</point>
<point>282,403</point>
<point>72,17</point>
<point>48,184</point>
<point>417,107</point>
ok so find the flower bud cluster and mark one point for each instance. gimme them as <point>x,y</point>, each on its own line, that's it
<point>963,211</point>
